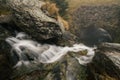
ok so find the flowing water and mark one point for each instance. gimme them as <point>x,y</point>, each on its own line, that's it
<point>28,50</point>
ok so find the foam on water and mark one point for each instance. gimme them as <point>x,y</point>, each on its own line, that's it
<point>44,53</point>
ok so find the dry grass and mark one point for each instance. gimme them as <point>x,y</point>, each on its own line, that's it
<point>76,3</point>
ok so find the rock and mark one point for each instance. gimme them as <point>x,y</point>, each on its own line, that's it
<point>111,50</point>
<point>5,63</point>
<point>103,68</point>
<point>5,66</point>
<point>66,69</point>
<point>68,39</point>
<point>106,63</point>
<point>102,16</point>
<point>29,17</point>
<point>5,18</point>
<point>93,35</point>
<point>4,33</point>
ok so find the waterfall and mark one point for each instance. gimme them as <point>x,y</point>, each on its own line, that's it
<point>28,50</point>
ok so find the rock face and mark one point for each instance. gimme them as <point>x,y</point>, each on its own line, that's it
<point>29,17</point>
<point>102,16</point>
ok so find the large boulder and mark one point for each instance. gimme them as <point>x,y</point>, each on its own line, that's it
<point>28,16</point>
<point>93,35</point>
<point>106,62</point>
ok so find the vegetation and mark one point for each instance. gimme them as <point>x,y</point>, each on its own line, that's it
<point>62,5</point>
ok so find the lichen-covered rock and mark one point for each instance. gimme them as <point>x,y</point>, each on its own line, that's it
<point>29,17</point>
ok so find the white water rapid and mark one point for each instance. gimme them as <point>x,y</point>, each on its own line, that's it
<point>28,50</point>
